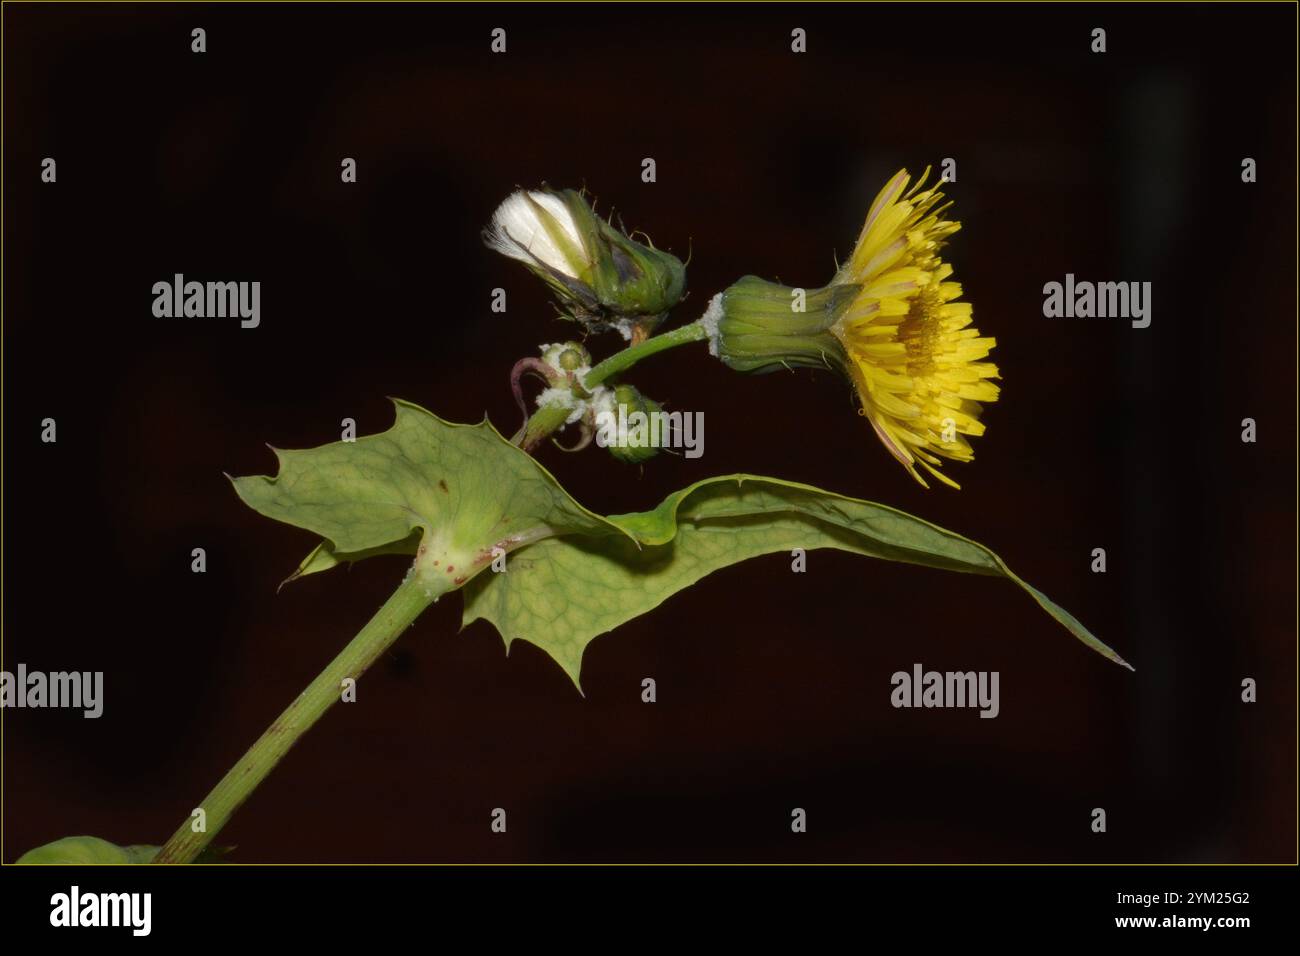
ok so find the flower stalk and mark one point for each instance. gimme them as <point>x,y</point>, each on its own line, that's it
<point>416,592</point>
<point>549,419</point>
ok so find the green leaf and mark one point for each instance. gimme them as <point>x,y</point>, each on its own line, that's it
<point>92,851</point>
<point>464,491</point>
<point>323,556</point>
<point>461,489</point>
<point>562,593</point>
<point>81,850</point>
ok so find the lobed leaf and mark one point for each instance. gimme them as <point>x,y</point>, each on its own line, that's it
<point>86,850</point>
<point>465,490</point>
<point>562,593</point>
<point>463,486</point>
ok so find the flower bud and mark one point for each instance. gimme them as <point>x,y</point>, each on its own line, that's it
<point>566,357</point>
<point>622,417</point>
<point>572,359</point>
<point>602,278</point>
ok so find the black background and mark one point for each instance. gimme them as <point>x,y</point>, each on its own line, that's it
<point>773,687</point>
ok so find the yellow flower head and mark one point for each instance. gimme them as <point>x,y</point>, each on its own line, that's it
<point>912,352</point>
<point>889,321</point>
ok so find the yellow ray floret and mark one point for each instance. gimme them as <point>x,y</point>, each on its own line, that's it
<point>913,354</point>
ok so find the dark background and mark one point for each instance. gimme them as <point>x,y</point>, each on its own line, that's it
<point>773,687</point>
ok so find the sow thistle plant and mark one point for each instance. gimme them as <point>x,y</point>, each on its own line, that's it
<point>459,499</point>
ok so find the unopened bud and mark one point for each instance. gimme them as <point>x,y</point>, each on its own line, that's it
<point>603,278</point>
<point>626,423</point>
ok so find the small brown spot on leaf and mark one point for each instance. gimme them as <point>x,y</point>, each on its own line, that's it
<point>443,485</point>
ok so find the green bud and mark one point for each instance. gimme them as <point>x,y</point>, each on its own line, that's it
<point>566,356</point>
<point>634,445</point>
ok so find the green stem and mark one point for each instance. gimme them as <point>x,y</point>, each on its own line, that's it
<point>546,421</point>
<point>622,361</point>
<point>415,594</point>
